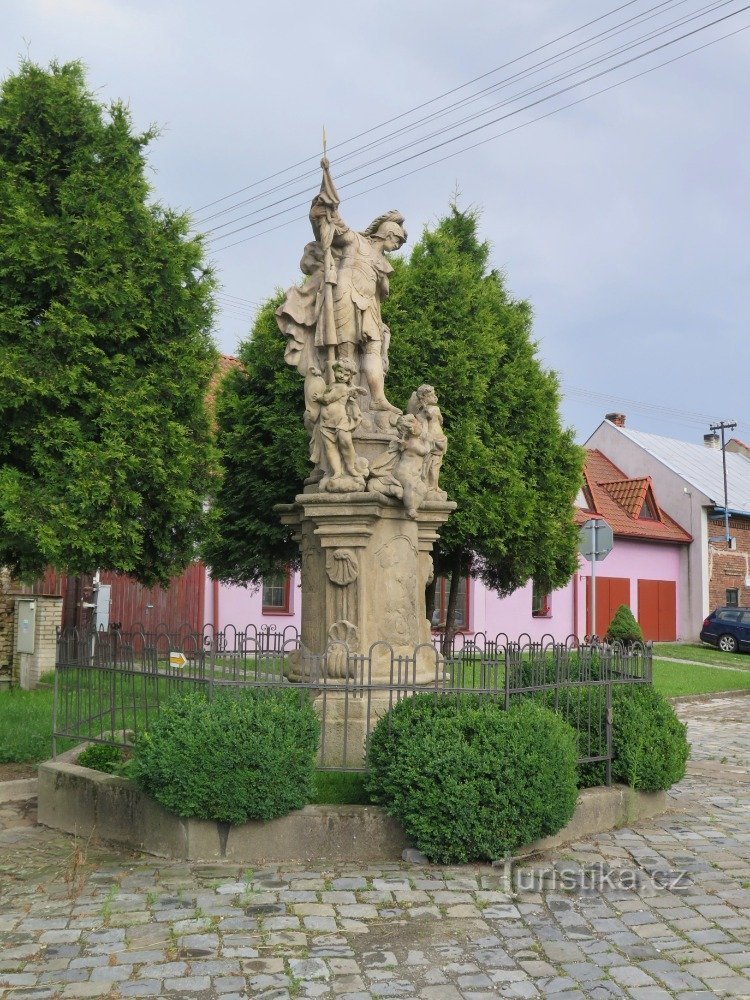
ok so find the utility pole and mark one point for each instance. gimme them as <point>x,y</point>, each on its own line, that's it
<point>722,426</point>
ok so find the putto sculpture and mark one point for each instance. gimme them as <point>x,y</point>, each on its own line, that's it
<point>337,340</point>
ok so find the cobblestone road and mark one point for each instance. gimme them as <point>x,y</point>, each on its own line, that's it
<point>660,910</point>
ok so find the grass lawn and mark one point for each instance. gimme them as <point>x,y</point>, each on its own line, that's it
<point>702,653</point>
<point>340,788</point>
<point>674,679</point>
<point>25,726</point>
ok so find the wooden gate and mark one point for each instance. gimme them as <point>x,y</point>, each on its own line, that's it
<point>611,592</point>
<point>657,609</point>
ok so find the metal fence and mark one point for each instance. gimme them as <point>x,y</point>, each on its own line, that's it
<point>110,685</point>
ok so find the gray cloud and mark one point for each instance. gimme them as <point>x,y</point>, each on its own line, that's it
<point>623,220</point>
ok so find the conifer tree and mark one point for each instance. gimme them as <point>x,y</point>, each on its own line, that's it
<point>105,350</point>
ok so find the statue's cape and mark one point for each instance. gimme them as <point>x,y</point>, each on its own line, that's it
<point>296,318</point>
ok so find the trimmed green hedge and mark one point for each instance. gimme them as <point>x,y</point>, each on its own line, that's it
<point>470,781</point>
<point>624,628</point>
<point>244,755</point>
<point>649,743</point>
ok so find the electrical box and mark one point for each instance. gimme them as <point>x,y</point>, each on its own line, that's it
<point>102,595</point>
<point>26,626</point>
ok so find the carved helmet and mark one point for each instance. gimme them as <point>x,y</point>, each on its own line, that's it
<point>389,222</point>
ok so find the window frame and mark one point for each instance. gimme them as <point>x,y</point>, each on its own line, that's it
<point>545,604</point>
<point>281,609</point>
<point>732,603</point>
<point>441,604</point>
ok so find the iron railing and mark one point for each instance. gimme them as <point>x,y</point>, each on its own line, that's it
<point>110,685</point>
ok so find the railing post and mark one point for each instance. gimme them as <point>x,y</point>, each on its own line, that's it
<point>54,712</point>
<point>608,717</point>
<point>506,704</point>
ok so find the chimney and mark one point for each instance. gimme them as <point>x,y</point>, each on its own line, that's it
<point>618,419</point>
<point>711,440</point>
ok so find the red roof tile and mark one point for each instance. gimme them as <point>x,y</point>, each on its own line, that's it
<point>619,500</point>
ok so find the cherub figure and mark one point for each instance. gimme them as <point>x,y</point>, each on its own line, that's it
<point>339,416</point>
<point>424,405</point>
<point>399,472</point>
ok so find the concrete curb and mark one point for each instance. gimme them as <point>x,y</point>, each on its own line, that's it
<point>22,788</point>
<point>78,800</point>
<point>689,699</point>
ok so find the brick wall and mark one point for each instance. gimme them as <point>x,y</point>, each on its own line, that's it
<point>7,607</point>
<point>728,569</point>
<point>29,667</point>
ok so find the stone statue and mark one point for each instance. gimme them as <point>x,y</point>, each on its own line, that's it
<point>336,313</point>
<point>423,404</point>
<point>400,471</point>
<point>338,417</point>
<point>369,514</point>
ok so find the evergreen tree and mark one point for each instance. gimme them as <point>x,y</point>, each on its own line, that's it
<point>623,627</point>
<point>511,468</point>
<point>264,456</point>
<point>105,351</point>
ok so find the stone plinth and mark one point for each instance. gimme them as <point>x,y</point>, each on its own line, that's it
<point>366,564</point>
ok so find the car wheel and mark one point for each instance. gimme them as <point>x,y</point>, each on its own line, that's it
<point>727,643</point>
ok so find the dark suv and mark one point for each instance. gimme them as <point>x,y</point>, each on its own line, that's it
<point>727,628</point>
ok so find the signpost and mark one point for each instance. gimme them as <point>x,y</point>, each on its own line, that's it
<point>595,543</point>
<point>177,659</point>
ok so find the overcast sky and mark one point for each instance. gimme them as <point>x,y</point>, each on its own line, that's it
<point>623,220</point>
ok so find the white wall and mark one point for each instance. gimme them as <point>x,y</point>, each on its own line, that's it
<point>688,509</point>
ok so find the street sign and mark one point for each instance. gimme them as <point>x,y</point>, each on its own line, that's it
<point>595,539</point>
<point>595,543</point>
<point>177,659</point>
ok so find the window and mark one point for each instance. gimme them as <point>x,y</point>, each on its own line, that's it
<point>277,594</point>
<point>541,601</point>
<point>728,616</point>
<point>648,511</point>
<point>733,598</point>
<point>442,592</point>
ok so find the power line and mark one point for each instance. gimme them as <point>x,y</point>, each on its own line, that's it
<point>539,87</point>
<point>418,107</point>
<point>479,128</point>
<point>628,24</point>
<point>237,298</point>
<point>688,417</point>
<point>465,149</point>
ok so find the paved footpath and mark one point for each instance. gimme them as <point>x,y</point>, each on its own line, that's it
<point>660,910</point>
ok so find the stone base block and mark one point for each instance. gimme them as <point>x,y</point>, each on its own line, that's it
<point>80,801</point>
<point>84,802</point>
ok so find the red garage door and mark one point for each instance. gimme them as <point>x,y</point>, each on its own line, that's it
<point>657,609</point>
<point>611,592</point>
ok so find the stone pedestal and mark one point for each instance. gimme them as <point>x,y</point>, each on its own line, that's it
<point>365,564</point>
<point>346,720</point>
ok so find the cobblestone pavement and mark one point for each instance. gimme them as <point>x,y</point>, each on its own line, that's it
<point>660,910</point>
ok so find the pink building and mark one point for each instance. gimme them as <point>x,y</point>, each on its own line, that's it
<point>642,571</point>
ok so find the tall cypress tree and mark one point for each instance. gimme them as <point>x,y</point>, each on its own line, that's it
<point>512,469</point>
<point>105,350</point>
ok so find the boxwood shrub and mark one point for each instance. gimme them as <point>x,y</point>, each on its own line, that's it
<point>101,757</point>
<point>242,755</point>
<point>470,781</point>
<point>649,743</point>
